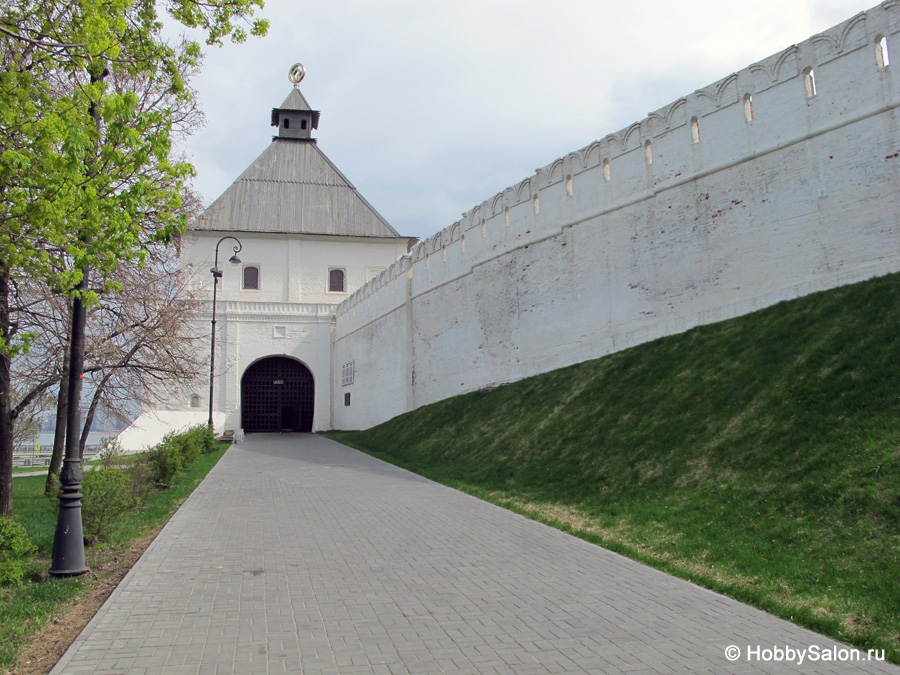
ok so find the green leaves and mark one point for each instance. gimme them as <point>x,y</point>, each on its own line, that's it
<point>219,18</point>
<point>89,94</point>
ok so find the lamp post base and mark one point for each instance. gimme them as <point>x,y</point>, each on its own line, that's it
<point>68,543</point>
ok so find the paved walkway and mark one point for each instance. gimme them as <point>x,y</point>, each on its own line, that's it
<point>299,555</point>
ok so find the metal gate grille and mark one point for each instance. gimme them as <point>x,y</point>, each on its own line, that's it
<point>277,394</point>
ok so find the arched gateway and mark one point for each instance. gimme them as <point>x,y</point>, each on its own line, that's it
<point>277,394</point>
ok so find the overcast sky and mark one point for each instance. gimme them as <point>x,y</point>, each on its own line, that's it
<point>431,107</point>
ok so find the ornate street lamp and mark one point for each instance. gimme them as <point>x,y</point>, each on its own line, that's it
<point>216,272</point>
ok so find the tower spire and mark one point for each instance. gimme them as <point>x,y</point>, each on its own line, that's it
<point>295,119</point>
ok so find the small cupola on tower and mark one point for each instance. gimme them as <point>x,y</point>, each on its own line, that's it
<point>294,119</point>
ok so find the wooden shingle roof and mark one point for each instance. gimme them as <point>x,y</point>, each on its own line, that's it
<point>292,187</point>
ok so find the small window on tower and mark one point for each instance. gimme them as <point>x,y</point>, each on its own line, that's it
<point>881,52</point>
<point>336,281</point>
<point>251,278</point>
<point>287,123</point>
<point>809,80</point>
<point>302,124</point>
<point>748,107</point>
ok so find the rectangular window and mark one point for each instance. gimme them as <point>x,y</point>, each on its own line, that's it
<point>336,280</point>
<point>348,370</point>
<point>251,278</point>
<point>347,399</point>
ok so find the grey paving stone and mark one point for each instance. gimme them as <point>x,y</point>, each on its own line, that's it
<point>298,554</point>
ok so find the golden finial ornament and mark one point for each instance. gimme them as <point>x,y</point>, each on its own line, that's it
<point>296,74</point>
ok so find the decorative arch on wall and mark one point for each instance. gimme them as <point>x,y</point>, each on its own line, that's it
<point>675,107</point>
<point>766,74</point>
<point>577,159</point>
<point>556,172</point>
<point>593,151</point>
<point>656,117</point>
<point>830,43</point>
<point>634,131</point>
<point>420,252</point>
<point>497,204</point>
<point>615,142</point>
<point>436,241</point>
<point>523,190</point>
<point>718,93</point>
<point>772,68</point>
<point>706,94</point>
<point>781,62</point>
<point>847,39</point>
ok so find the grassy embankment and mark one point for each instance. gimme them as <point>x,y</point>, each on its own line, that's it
<point>26,609</point>
<point>759,457</point>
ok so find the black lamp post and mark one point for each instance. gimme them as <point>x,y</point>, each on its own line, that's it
<point>216,272</point>
<point>68,542</point>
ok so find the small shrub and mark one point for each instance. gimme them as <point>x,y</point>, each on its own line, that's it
<point>203,435</point>
<point>140,476</point>
<point>167,460</point>
<point>177,451</point>
<point>110,452</point>
<point>107,495</point>
<point>16,551</point>
<point>191,449</point>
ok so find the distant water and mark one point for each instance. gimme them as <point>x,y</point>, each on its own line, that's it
<point>46,437</point>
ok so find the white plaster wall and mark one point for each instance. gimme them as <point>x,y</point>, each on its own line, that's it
<point>293,268</point>
<point>251,336</point>
<point>802,198</point>
<point>292,313</point>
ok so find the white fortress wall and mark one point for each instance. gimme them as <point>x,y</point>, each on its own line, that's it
<point>604,249</point>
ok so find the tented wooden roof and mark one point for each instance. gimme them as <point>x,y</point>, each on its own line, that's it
<point>292,187</point>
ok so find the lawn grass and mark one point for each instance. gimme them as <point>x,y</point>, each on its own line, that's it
<point>24,610</point>
<point>759,457</point>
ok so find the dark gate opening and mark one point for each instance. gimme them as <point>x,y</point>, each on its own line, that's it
<point>277,394</point>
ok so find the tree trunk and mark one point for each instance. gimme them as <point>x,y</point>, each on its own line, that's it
<point>89,418</point>
<point>6,421</point>
<point>59,437</point>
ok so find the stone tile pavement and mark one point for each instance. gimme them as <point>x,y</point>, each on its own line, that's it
<point>300,555</point>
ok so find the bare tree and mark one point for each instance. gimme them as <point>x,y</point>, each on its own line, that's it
<point>139,337</point>
<point>143,337</point>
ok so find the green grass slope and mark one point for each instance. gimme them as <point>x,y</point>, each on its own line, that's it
<point>758,456</point>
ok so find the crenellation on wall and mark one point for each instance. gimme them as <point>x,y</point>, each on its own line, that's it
<point>731,215</point>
